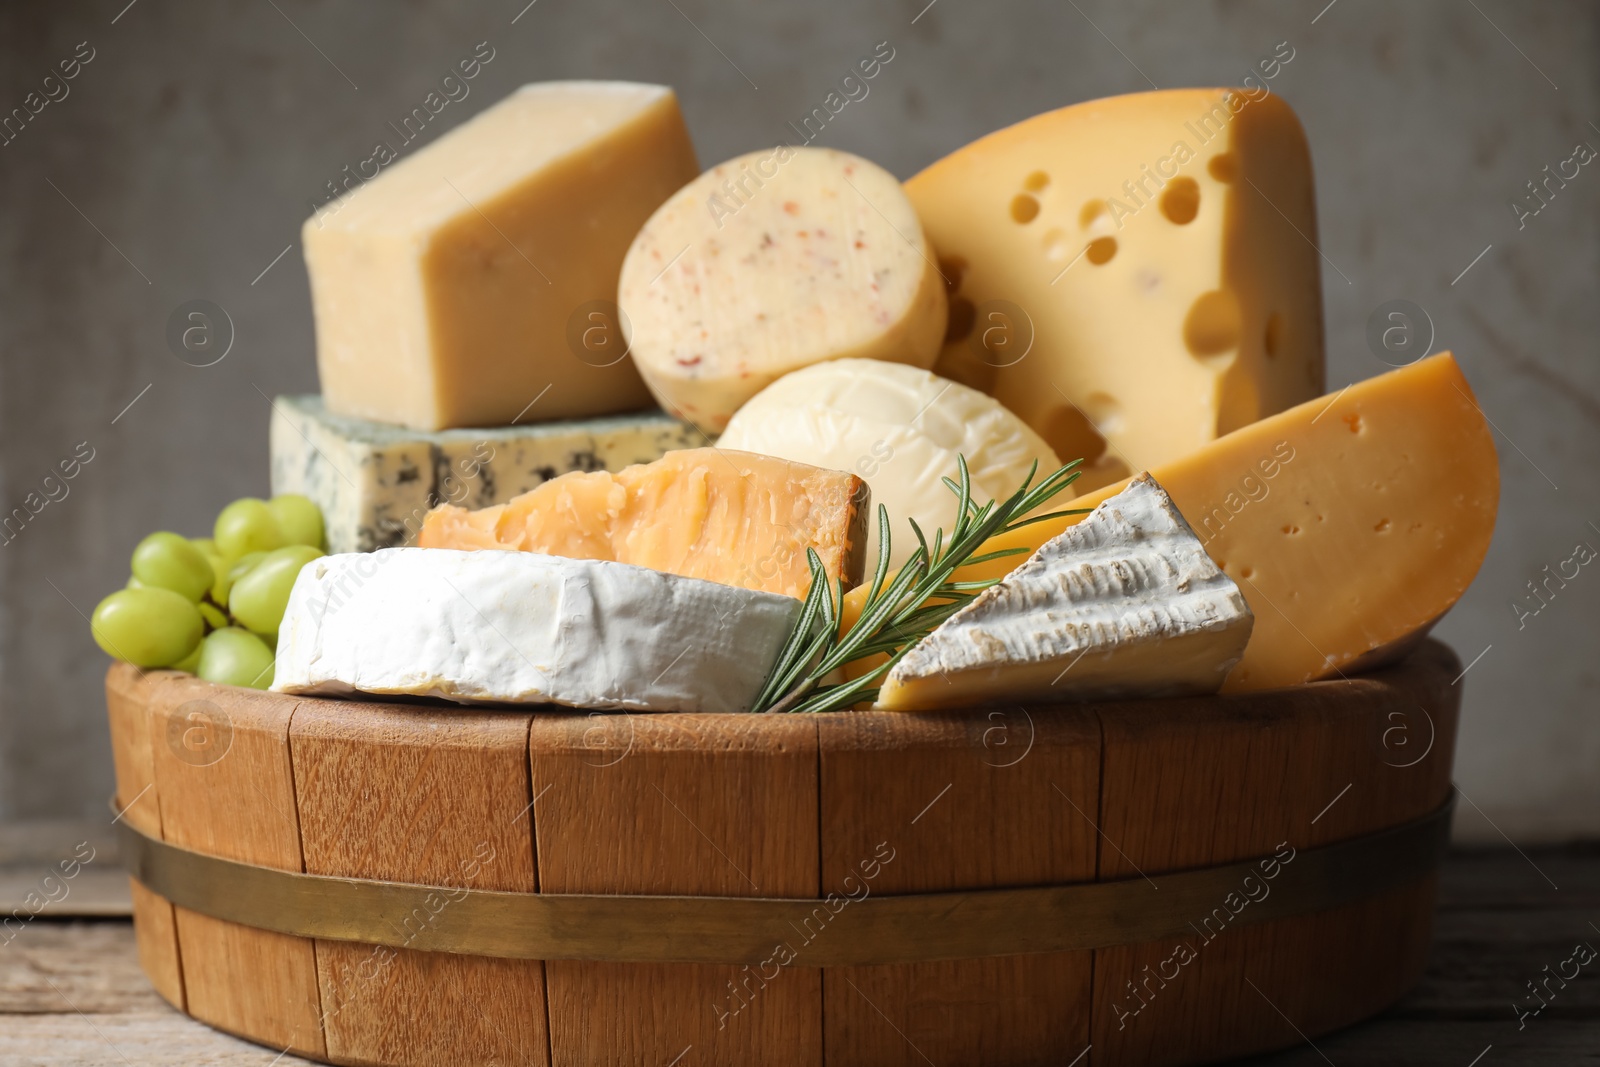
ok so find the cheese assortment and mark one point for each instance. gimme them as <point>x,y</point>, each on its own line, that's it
<point>900,428</point>
<point>520,627</point>
<point>375,481</point>
<point>1135,276</point>
<point>1044,424</point>
<point>1124,604</point>
<point>772,262</point>
<point>450,289</point>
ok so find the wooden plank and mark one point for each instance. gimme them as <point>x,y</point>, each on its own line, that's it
<point>1483,960</point>
<point>68,967</point>
<point>61,869</point>
<point>1197,782</point>
<point>157,1037</point>
<point>100,891</point>
<point>720,805</point>
<point>430,795</point>
<point>128,691</point>
<point>1403,1043</point>
<point>225,787</point>
<point>958,800</point>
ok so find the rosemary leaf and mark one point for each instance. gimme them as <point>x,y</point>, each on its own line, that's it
<point>899,612</point>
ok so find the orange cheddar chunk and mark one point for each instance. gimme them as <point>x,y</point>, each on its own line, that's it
<point>1351,523</point>
<point>732,517</point>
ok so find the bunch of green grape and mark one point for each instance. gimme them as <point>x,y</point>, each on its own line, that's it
<point>212,605</point>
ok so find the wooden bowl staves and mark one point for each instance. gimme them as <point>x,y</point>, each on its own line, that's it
<point>1173,881</point>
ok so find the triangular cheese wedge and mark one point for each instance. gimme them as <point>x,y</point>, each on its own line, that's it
<point>1124,604</point>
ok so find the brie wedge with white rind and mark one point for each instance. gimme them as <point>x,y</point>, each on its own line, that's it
<point>523,628</point>
<point>1126,604</point>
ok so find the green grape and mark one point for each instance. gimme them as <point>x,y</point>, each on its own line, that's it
<point>213,615</point>
<point>169,561</point>
<point>206,545</point>
<point>135,583</point>
<point>147,627</point>
<point>191,663</point>
<point>299,518</point>
<point>221,579</point>
<point>232,656</point>
<point>241,567</point>
<point>245,526</point>
<point>259,598</point>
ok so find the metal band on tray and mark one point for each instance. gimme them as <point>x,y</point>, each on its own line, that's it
<point>875,929</point>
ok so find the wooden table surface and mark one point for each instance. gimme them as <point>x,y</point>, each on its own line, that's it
<point>71,991</point>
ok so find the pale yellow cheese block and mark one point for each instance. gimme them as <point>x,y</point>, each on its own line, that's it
<point>478,276</point>
<point>771,262</point>
<point>1134,276</point>
<point>1351,523</point>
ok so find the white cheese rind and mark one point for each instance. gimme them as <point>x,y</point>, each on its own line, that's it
<point>1126,604</point>
<point>899,429</point>
<point>522,628</point>
<point>375,481</point>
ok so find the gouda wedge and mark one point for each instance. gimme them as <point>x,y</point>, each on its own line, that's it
<point>1351,523</point>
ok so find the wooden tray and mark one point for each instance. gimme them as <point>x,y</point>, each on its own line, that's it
<point>791,807</point>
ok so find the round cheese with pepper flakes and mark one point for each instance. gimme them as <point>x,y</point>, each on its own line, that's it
<point>772,262</point>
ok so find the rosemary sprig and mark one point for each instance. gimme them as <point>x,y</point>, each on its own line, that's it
<point>902,610</point>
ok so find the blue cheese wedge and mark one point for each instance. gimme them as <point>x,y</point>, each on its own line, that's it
<point>1126,604</point>
<point>524,628</point>
<point>376,481</point>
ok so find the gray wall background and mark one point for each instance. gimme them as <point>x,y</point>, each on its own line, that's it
<point>183,160</point>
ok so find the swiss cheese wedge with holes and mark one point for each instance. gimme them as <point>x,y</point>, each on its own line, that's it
<point>1351,523</point>
<point>1134,276</point>
<point>731,517</point>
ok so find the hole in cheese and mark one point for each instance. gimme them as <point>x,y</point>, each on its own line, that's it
<point>952,267</point>
<point>1223,167</point>
<point>1101,249</point>
<point>1104,411</point>
<point>1272,336</point>
<point>1094,215</point>
<point>1212,325</point>
<point>1036,181</point>
<point>962,316</point>
<point>1180,200</point>
<point>715,513</point>
<point>1024,208</point>
<point>1239,402</point>
<point>1056,246</point>
<point>1074,435</point>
